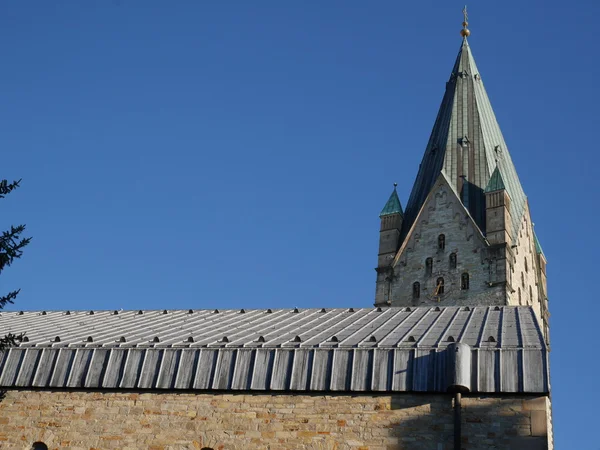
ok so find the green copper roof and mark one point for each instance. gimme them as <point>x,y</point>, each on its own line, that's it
<point>466,125</point>
<point>392,206</point>
<point>496,182</point>
<point>538,247</point>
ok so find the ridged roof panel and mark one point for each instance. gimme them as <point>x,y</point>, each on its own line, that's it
<point>352,350</point>
<point>351,327</point>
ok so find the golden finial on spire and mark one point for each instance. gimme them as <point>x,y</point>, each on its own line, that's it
<point>465,31</point>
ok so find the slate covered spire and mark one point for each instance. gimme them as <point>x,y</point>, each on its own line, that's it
<point>466,144</point>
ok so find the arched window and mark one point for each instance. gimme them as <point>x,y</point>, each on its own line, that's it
<point>428,266</point>
<point>416,289</point>
<point>452,260</point>
<point>520,303</point>
<point>39,446</point>
<point>464,281</point>
<point>439,286</point>
<point>526,268</point>
<point>441,242</point>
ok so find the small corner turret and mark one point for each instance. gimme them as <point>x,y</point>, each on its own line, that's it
<point>498,220</point>
<point>498,231</point>
<point>389,233</point>
<point>391,217</point>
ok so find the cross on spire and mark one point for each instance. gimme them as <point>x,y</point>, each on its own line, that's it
<point>465,31</point>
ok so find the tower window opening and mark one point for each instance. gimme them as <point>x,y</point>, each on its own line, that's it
<point>439,288</point>
<point>464,281</point>
<point>520,303</point>
<point>531,295</point>
<point>452,260</point>
<point>522,280</point>
<point>441,242</point>
<point>526,267</point>
<point>416,289</point>
<point>428,266</point>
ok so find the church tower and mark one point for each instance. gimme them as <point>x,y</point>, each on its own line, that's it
<point>466,235</point>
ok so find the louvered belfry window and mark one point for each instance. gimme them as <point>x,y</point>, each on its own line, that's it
<point>416,289</point>
<point>464,281</point>
<point>428,266</point>
<point>452,260</point>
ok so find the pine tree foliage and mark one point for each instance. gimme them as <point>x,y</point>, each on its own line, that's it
<point>11,248</point>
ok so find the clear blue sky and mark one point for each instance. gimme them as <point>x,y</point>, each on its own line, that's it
<point>198,154</point>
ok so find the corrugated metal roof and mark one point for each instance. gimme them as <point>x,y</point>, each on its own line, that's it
<point>366,349</point>
<point>466,144</point>
<point>393,205</point>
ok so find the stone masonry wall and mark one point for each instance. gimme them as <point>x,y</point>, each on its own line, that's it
<point>444,214</point>
<point>524,273</point>
<point>160,421</point>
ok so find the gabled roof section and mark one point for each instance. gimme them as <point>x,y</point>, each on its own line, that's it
<point>393,205</point>
<point>345,349</point>
<point>496,182</point>
<point>441,180</point>
<point>466,144</point>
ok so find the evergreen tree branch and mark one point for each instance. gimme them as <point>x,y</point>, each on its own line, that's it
<point>11,245</point>
<point>11,248</point>
<point>6,187</point>
<point>8,298</point>
<point>11,340</point>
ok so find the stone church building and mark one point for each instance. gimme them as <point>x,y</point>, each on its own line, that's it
<point>453,355</point>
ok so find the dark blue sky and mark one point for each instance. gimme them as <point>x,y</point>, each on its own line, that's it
<point>235,154</point>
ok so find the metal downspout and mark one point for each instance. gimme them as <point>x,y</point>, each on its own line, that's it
<point>457,421</point>
<point>458,381</point>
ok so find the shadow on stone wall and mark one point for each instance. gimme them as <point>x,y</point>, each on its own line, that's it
<point>487,422</point>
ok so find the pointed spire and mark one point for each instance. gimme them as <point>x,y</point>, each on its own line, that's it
<point>466,145</point>
<point>496,182</point>
<point>393,205</point>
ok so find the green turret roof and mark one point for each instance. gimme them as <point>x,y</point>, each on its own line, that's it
<point>538,247</point>
<point>496,182</point>
<point>393,205</point>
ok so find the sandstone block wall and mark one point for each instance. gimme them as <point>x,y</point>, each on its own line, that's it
<point>161,421</point>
